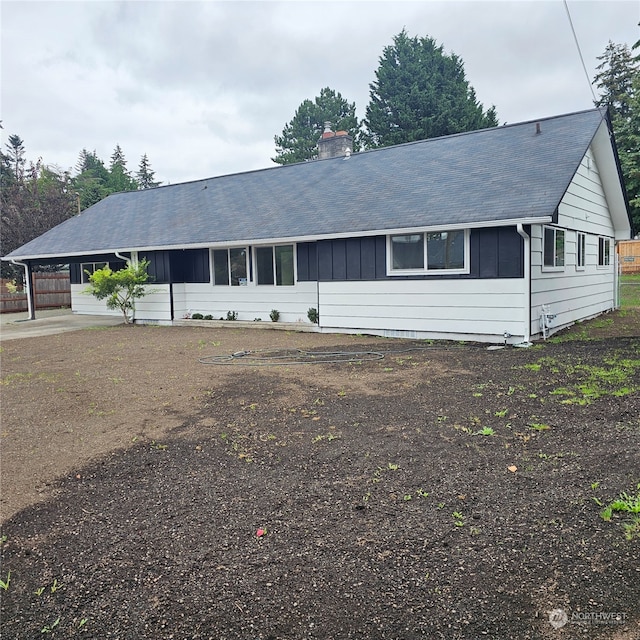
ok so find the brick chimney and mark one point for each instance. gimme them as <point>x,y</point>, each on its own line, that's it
<point>334,144</point>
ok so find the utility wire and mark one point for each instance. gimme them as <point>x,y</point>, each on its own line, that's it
<point>584,66</point>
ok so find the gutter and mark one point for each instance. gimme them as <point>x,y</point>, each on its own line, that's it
<point>27,284</point>
<point>527,284</point>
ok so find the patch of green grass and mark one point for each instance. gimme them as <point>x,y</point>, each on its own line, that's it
<point>628,505</point>
<point>630,291</point>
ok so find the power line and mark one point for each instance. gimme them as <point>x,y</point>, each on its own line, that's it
<point>575,37</point>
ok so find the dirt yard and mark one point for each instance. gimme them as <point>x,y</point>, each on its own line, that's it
<point>392,489</point>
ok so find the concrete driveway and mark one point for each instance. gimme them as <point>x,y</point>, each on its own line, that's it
<point>49,322</point>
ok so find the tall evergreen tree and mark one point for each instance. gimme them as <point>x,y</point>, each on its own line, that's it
<point>615,78</point>
<point>92,179</point>
<point>145,174</point>
<point>119,177</point>
<point>299,138</point>
<point>618,81</point>
<point>15,155</point>
<point>421,92</point>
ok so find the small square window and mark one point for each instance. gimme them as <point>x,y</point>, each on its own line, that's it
<point>89,268</point>
<point>407,251</point>
<point>230,266</point>
<point>274,265</point>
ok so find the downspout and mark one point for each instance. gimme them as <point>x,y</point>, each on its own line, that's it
<point>123,258</point>
<point>527,283</point>
<point>128,261</point>
<point>27,283</point>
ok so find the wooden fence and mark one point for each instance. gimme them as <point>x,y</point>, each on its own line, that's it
<point>629,256</point>
<point>51,291</point>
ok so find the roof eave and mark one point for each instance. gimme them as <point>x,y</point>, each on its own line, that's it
<point>284,239</point>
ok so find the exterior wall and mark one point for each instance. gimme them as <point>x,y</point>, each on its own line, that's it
<point>248,302</point>
<point>573,293</point>
<point>461,309</point>
<point>85,303</point>
<point>154,307</point>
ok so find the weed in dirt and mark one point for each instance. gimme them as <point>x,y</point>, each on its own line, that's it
<point>629,505</point>
<point>485,431</point>
<point>458,519</point>
<point>4,584</point>
<point>538,426</point>
<point>49,628</point>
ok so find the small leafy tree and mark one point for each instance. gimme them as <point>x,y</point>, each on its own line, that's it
<point>120,288</point>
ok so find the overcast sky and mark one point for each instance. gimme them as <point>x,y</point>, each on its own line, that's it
<point>203,87</point>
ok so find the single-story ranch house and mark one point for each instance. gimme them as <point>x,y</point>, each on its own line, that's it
<point>504,234</point>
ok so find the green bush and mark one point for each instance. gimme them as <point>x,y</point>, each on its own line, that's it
<point>197,316</point>
<point>120,288</point>
<point>313,316</point>
<point>274,315</point>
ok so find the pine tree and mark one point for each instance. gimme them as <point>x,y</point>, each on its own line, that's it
<point>618,80</point>
<point>145,175</point>
<point>299,138</point>
<point>15,156</point>
<point>421,92</point>
<point>119,177</point>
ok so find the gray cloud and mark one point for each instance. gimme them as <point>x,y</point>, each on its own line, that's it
<point>203,87</point>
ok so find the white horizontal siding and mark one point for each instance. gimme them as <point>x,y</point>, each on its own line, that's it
<point>86,303</point>
<point>155,306</point>
<point>584,206</point>
<point>481,309</point>
<point>572,293</point>
<point>249,302</point>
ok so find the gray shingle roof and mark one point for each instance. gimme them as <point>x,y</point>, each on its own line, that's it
<point>492,175</point>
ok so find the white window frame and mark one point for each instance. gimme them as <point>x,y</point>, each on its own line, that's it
<point>581,251</point>
<point>555,266</point>
<point>254,257</point>
<point>425,269</point>
<point>228,250</point>
<point>604,254</point>
<point>90,266</point>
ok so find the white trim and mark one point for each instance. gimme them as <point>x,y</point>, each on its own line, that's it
<point>355,233</point>
<point>425,269</point>
<point>579,235</point>
<point>556,268</point>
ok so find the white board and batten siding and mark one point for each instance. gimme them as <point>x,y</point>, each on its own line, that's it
<point>465,309</point>
<point>573,293</point>
<point>249,302</point>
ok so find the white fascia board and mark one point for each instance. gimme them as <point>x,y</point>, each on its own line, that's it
<point>291,239</point>
<point>602,148</point>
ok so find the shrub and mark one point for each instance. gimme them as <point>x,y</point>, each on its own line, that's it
<point>208,317</point>
<point>312,314</point>
<point>120,288</point>
<point>197,316</point>
<point>274,315</point>
<point>232,315</point>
